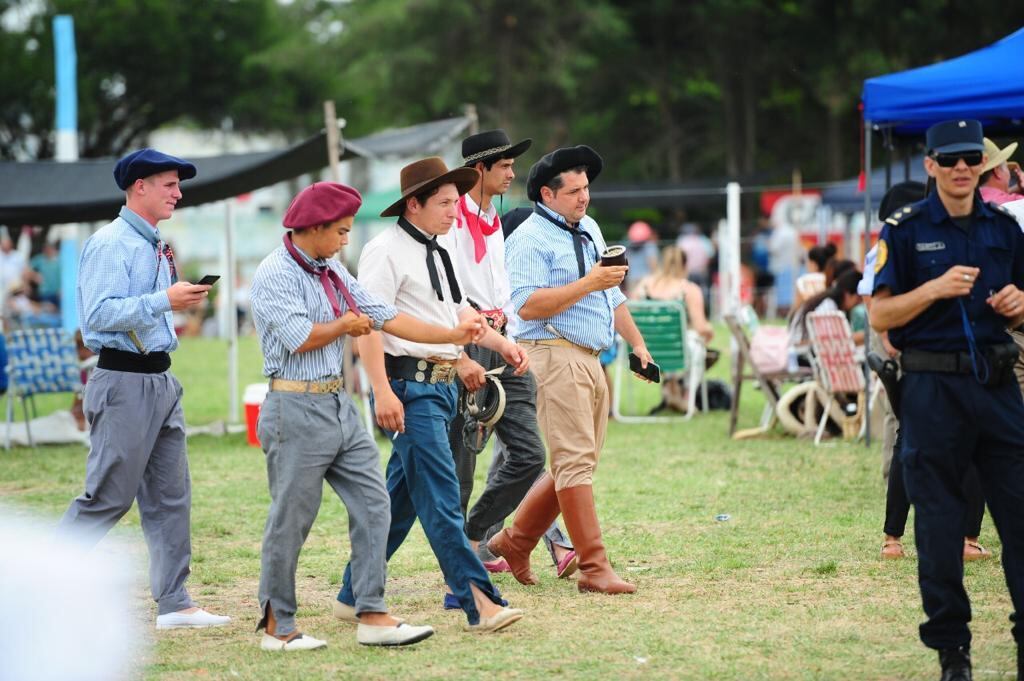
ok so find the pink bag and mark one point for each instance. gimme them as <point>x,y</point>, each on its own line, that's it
<point>769,349</point>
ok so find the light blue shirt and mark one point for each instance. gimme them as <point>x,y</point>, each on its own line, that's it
<point>122,282</point>
<point>539,255</point>
<point>866,287</point>
<point>286,301</point>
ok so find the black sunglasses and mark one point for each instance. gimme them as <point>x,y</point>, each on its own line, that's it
<point>971,158</point>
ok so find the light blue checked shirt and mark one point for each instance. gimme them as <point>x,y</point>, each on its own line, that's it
<point>286,301</point>
<point>541,255</point>
<point>122,282</point>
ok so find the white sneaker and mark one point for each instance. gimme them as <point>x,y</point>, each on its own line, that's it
<point>347,613</point>
<point>400,635</point>
<point>300,642</point>
<point>190,620</point>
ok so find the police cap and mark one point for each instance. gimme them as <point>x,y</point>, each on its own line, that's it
<point>952,136</point>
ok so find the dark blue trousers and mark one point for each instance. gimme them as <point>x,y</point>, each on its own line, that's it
<point>422,484</point>
<point>948,421</point>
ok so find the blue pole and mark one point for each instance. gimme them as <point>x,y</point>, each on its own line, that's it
<point>67,87</point>
<point>67,150</point>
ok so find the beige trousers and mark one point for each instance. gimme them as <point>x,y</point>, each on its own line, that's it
<point>572,410</point>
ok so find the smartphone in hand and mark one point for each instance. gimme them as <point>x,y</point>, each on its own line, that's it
<point>651,373</point>
<point>208,280</point>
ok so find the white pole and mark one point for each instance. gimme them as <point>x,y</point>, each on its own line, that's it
<point>229,315</point>
<point>731,297</point>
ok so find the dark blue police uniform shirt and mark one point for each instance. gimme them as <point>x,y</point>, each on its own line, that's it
<point>923,243</point>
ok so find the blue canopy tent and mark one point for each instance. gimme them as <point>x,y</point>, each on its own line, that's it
<point>987,84</point>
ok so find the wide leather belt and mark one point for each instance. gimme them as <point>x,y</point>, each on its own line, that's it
<point>283,385</point>
<point>420,370</point>
<point>562,343</point>
<point>133,362</point>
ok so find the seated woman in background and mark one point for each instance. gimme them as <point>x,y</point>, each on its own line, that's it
<point>813,281</point>
<point>669,282</point>
<point>841,296</point>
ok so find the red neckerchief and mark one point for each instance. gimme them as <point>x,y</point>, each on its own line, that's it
<point>478,229</point>
<point>327,277</point>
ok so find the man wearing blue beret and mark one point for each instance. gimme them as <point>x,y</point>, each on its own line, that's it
<point>948,280</point>
<point>127,290</point>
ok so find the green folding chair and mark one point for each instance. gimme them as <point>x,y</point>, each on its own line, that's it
<point>663,326</point>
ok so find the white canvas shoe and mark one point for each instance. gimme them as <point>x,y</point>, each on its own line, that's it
<point>300,642</point>
<point>400,635</point>
<point>190,620</point>
<point>347,613</point>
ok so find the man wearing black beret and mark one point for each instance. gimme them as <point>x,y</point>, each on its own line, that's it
<point>570,306</point>
<point>127,290</point>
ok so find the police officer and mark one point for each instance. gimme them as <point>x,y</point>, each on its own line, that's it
<point>948,283</point>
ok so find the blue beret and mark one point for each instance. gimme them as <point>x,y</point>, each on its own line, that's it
<point>145,162</point>
<point>953,136</point>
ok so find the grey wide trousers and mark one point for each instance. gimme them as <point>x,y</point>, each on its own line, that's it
<point>137,451</point>
<point>309,438</point>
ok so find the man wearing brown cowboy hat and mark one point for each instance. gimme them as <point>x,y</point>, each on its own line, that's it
<point>414,393</point>
<point>304,304</point>
<point>479,253</point>
<point>570,307</point>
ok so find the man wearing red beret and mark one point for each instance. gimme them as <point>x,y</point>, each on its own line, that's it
<point>304,303</point>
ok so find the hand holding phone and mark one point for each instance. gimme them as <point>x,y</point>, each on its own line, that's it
<point>208,280</point>
<point>652,372</point>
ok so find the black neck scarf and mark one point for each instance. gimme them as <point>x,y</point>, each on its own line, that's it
<point>327,278</point>
<point>578,235</point>
<point>446,260</point>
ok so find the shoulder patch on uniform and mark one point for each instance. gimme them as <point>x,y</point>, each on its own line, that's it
<point>882,257</point>
<point>902,214</point>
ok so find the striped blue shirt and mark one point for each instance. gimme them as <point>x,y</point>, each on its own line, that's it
<point>286,301</point>
<point>541,255</point>
<point>122,282</point>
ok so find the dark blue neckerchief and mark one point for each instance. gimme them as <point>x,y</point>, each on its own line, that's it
<point>577,234</point>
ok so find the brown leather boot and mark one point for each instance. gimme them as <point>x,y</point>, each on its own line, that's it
<point>533,517</point>
<point>580,516</point>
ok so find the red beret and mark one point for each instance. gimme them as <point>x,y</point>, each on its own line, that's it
<point>321,203</point>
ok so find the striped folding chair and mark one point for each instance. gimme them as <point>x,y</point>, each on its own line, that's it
<point>834,358</point>
<point>39,361</point>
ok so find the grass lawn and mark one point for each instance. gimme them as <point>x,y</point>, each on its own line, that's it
<point>790,587</point>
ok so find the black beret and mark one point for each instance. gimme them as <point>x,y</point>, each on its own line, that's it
<point>145,162</point>
<point>557,162</point>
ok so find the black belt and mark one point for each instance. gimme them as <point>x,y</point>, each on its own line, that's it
<point>998,357</point>
<point>419,370</point>
<point>133,362</point>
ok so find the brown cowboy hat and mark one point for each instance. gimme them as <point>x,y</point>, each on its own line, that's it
<point>424,175</point>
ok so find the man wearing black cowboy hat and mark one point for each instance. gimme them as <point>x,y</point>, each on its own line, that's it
<point>570,307</point>
<point>414,393</point>
<point>479,252</point>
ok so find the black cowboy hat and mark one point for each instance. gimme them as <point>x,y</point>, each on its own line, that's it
<point>424,175</point>
<point>558,161</point>
<point>491,145</point>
